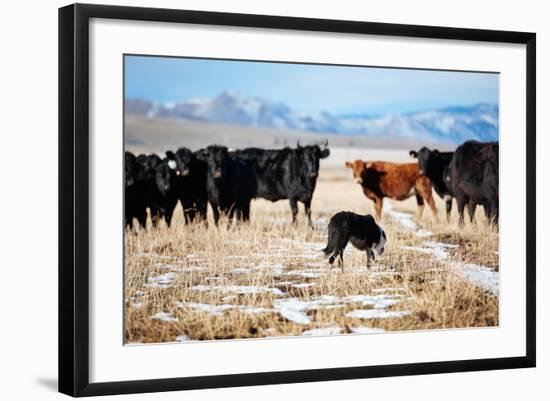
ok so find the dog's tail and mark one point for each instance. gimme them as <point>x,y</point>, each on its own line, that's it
<point>331,245</point>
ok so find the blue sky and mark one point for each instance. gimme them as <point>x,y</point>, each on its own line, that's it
<point>309,88</point>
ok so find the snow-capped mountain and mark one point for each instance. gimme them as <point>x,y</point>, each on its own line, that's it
<point>448,125</point>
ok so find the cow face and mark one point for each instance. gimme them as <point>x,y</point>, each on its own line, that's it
<point>183,158</point>
<point>146,165</point>
<point>358,168</point>
<point>426,160</point>
<point>311,155</point>
<point>217,158</point>
<point>379,247</point>
<point>163,175</point>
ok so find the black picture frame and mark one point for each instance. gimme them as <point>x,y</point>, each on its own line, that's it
<point>74,198</point>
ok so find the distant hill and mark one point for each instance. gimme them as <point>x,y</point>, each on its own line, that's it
<point>452,125</point>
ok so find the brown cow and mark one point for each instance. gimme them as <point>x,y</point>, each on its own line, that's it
<point>397,181</point>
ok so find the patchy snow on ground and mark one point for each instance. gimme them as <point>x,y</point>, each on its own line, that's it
<point>275,269</point>
<point>295,309</point>
<point>164,316</point>
<point>388,289</point>
<point>437,249</point>
<point>480,276</point>
<point>154,255</point>
<point>163,281</point>
<point>305,273</point>
<point>376,314</point>
<point>323,331</point>
<point>220,309</point>
<point>303,285</point>
<point>239,289</point>
<point>193,269</point>
<point>405,219</point>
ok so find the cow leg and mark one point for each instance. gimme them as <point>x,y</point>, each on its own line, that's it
<point>142,218</point>
<point>231,214</point>
<point>472,210</point>
<point>420,204</point>
<point>378,208</point>
<point>168,215</point>
<point>215,212</point>
<point>307,206</point>
<point>460,204</point>
<point>191,214</point>
<point>156,215</point>
<point>128,222</point>
<point>202,208</point>
<point>341,259</point>
<point>184,207</point>
<point>246,211</point>
<point>494,212</point>
<point>423,187</point>
<point>431,204</point>
<point>448,207</point>
<point>487,210</point>
<point>294,208</point>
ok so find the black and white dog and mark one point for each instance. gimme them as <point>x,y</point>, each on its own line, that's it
<point>362,231</point>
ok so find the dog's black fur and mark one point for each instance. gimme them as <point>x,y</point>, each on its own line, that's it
<point>362,231</point>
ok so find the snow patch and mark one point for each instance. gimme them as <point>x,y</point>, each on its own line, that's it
<point>323,331</point>
<point>376,314</point>
<point>239,289</point>
<point>218,310</point>
<point>164,316</point>
<point>163,281</point>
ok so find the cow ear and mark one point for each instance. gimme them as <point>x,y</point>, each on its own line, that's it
<point>349,165</point>
<point>201,154</point>
<point>324,153</point>
<point>169,154</point>
<point>413,153</point>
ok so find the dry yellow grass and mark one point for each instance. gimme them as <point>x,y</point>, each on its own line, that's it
<point>268,278</point>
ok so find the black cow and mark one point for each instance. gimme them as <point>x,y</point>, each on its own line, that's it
<point>230,182</point>
<point>152,188</point>
<point>362,231</point>
<point>190,184</point>
<point>286,174</point>
<point>166,199</point>
<point>435,165</point>
<point>473,177</point>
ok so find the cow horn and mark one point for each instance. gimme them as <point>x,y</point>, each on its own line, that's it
<point>298,144</point>
<point>326,144</point>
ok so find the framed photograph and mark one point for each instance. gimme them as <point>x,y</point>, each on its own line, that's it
<point>241,200</point>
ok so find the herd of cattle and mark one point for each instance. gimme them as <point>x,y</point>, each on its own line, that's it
<point>230,179</point>
<point>227,179</point>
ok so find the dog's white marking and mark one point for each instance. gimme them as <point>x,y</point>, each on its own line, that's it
<point>381,242</point>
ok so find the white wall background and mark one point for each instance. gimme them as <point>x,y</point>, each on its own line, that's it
<point>28,199</point>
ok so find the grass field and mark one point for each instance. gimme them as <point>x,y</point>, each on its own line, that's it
<point>269,278</point>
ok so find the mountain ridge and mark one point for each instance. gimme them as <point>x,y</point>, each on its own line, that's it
<point>453,124</point>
